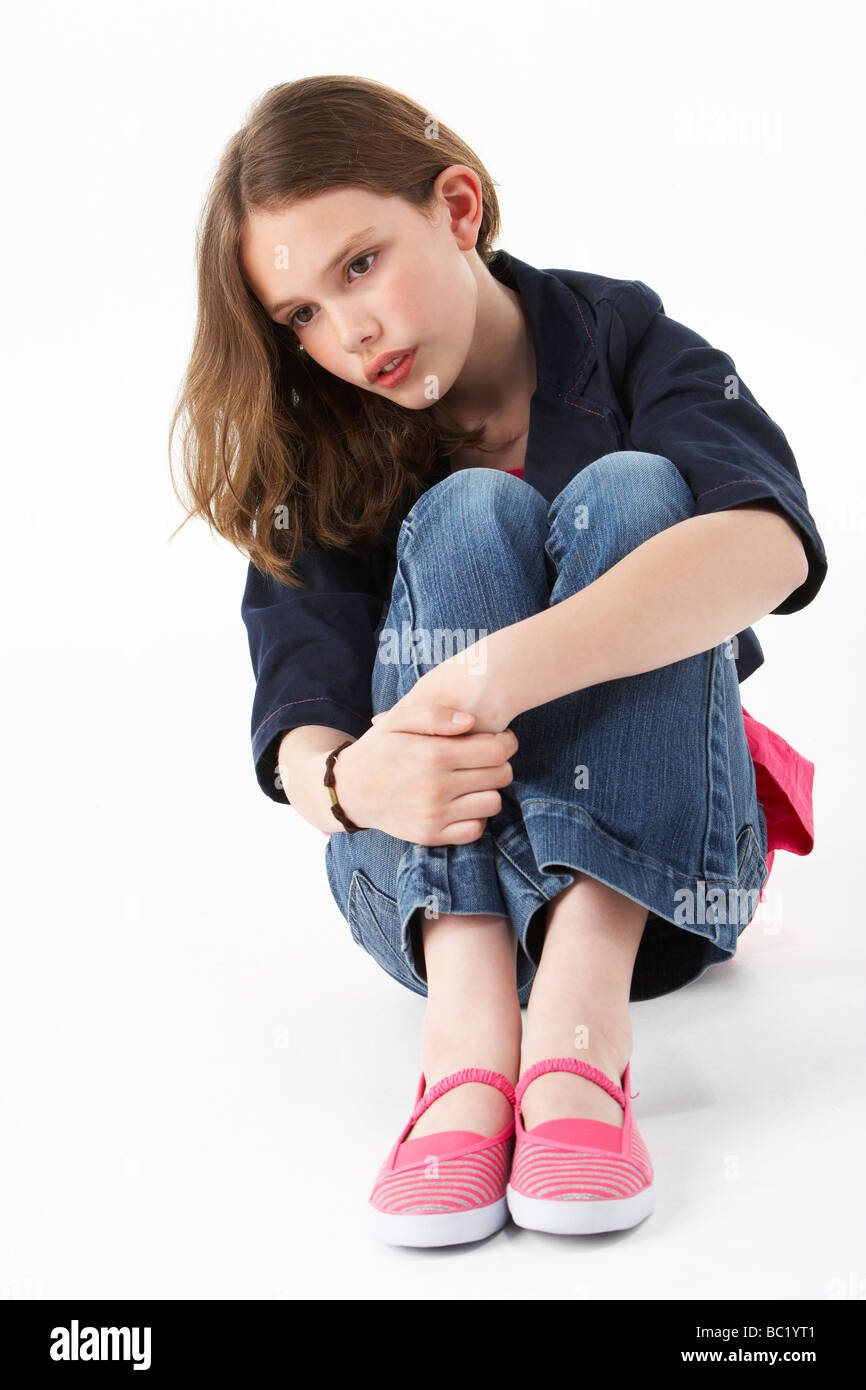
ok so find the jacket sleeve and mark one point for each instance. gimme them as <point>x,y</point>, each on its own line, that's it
<point>312,650</point>
<point>687,402</point>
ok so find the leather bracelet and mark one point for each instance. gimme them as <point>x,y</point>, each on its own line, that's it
<point>336,808</point>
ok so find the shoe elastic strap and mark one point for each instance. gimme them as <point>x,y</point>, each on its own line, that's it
<point>457,1078</point>
<point>572,1064</point>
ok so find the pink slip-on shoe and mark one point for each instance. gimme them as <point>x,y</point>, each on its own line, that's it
<point>448,1188</point>
<point>578,1177</point>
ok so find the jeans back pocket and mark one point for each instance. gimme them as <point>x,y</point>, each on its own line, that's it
<point>374,921</point>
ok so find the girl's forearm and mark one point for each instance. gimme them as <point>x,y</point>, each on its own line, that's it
<point>684,590</point>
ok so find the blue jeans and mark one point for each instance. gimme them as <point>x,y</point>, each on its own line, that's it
<point>645,783</point>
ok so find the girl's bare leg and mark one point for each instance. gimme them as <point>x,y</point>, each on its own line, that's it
<point>472,1019</point>
<point>578,1006</point>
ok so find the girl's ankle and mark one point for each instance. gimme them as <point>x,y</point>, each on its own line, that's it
<point>583,1034</point>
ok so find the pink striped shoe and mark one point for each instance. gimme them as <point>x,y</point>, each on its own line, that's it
<point>448,1188</point>
<point>577,1177</point>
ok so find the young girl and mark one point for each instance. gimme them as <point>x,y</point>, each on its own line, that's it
<point>507,531</point>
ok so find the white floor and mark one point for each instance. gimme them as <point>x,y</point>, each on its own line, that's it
<point>202,1072</point>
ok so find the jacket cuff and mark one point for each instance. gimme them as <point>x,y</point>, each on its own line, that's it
<point>269,734</point>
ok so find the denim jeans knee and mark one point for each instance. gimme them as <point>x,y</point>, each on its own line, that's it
<point>607,510</point>
<point>620,500</point>
<point>462,493</point>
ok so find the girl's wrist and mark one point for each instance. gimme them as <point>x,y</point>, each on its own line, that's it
<point>344,790</point>
<point>499,663</point>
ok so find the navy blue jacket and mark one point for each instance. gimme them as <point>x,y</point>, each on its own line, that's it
<point>613,372</point>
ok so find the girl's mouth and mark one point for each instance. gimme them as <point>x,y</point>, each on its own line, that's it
<point>399,372</point>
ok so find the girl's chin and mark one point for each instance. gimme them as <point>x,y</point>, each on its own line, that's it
<point>411,397</point>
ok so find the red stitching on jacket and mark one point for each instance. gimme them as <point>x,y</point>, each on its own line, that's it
<point>308,700</point>
<point>733,483</point>
<point>582,319</point>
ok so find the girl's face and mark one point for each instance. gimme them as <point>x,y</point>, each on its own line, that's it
<point>361,279</point>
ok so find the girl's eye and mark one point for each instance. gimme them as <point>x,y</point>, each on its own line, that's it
<point>359,260</point>
<point>368,256</point>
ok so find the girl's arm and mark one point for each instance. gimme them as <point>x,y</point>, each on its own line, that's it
<point>681,592</point>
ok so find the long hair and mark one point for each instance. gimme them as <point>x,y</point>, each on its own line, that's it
<point>276,450</point>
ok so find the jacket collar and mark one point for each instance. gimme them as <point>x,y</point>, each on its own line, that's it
<point>560,323</point>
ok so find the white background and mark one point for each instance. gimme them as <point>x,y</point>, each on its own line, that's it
<point>202,1072</point>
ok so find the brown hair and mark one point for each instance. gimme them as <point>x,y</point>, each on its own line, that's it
<point>266,427</point>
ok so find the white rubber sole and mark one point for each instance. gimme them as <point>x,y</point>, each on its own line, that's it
<point>438,1228</point>
<point>579,1218</point>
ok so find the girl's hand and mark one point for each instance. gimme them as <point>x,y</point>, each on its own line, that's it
<point>467,681</point>
<point>420,777</point>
